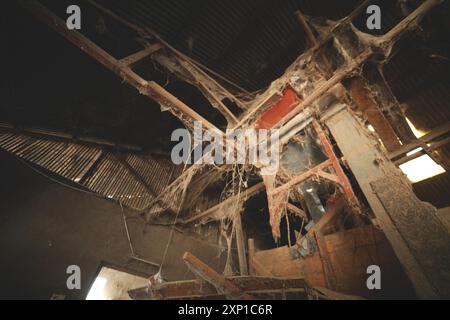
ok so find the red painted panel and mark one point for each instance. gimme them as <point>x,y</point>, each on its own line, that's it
<point>271,117</point>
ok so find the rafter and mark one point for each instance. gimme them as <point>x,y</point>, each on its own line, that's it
<point>148,88</point>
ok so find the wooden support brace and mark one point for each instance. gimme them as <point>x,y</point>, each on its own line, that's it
<point>343,180</point>
<point>201,82</point>
<point>300,178</point>
<point>137,57</point>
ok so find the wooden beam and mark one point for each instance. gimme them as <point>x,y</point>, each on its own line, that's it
<point>422,141</point>
<point>187,71</point>
<point>223,285</point>
<point>408,23</point>
<point>342,177</point>
<point>338,76</point>
<point>316,49</point>
<point>148,88</point>
<point>328,294</point>
<point>417,236</point>
<point>330,276</point>
<point>431,146</point>
<point>172,49</point>
<point>330,215</point>
<point>251,255</point>
<point>297,211</point>
<point>301,177</point>
<point>44,133</point>
<point>134,173</point>
<point>327,69</point>
<point>240,244</point>
<point>137,57</point>
<point>240,197</point>
<point>381,43</point>
<point>195,289</point>
<point>360,95</point>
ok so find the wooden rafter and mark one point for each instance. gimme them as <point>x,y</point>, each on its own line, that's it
<point>137,57</point>
<point>188,71</point>
<point>148,88</point>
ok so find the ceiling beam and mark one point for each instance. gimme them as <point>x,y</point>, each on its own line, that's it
<point>148,88</point>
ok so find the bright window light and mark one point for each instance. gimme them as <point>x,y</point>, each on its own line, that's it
<point>97,290</point>
<point>414,151</point>
<point>421,168</point>
<point>416,131</point>
<point>112,284</point>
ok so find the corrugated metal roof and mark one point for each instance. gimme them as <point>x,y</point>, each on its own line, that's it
<point>133,179</point>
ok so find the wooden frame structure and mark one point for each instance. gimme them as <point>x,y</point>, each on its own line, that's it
<point>412,256</point>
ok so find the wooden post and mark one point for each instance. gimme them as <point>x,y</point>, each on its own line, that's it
<point>419,239</point>
<point>240,243</point>
<point>251,255</point>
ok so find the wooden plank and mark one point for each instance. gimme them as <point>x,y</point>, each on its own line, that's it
<point>333,295</point>
<point>352,251</point>
<point>330,276</point>
<point>223,285</point>
<point>191,289</point>
<point>278,263</point>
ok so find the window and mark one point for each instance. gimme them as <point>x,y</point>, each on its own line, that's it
<point>421,168</point>
<point>112,284</point>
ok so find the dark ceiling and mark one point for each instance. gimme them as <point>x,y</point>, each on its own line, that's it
<point>47,82</point>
